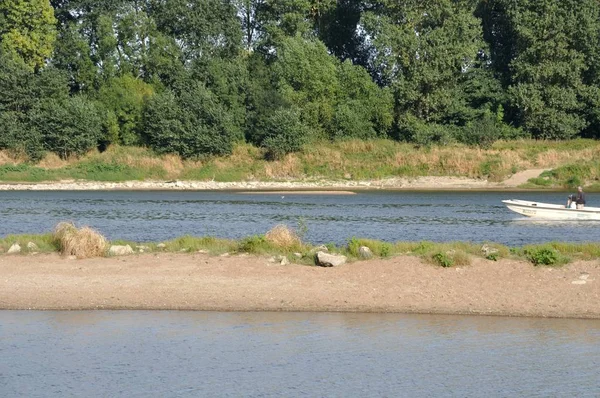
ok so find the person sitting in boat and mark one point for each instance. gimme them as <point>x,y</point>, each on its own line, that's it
<point>578,200</point>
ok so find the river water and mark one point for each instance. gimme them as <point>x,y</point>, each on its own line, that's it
<point>194,354</point>
<point>384,215</point>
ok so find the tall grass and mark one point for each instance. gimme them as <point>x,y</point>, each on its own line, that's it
<point>571,161</point>
<point>81,243</point>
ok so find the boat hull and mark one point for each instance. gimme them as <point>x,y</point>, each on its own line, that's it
<point>550,211</point>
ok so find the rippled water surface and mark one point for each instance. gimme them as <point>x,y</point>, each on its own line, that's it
<point>193,354</point>
<point>390,216</point>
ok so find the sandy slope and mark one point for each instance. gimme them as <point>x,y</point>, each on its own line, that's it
<point>202,282</point>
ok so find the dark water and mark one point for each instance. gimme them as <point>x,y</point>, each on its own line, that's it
<point>199,354</point>
<point>388,216</point>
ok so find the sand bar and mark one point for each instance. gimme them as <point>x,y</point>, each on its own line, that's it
<point>403,284</point>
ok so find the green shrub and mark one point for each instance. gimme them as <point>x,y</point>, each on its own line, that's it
<point>443,259</point>
<point>70,127</point>
<point>283,133</point>
<point>543,255</point>
<point>191,123</point>
<point>254,244</point>
<point>492,256</point>
<point>386,249</point>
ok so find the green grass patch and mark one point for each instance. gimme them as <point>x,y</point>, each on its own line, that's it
<point>192,244</point>
<point>446,254</point>
<point>378,248</point>
<point>214,173</point>
<point>570,176</point>
<point>97,170</point>
<point>25,173</point>
<point>44,243</point>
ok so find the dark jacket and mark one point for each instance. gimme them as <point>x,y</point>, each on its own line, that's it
<point>580,198</point>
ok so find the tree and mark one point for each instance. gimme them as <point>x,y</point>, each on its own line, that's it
<point>307,78</point>
<point>125,96</point>
<point>202,28</point>
<point>545,52</point>
<point>70,127</point>
<point>27,30</point>
<point>190,122</point>
<point>426,52</point>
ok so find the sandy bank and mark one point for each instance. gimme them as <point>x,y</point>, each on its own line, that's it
<point>418,183</point>
<point>438,183</point>
<point>247,283</point>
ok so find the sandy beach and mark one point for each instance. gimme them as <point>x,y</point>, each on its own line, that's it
<point>198,281</point>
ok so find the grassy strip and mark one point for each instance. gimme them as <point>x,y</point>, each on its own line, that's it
<point>586,172</point>
<point>443,254</point>
<point>573,163</point>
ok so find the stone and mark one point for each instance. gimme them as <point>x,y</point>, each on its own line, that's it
<point>298,255</point>
<point>284,260</point>
<point>161,245</point>
<point>117,250</point>
<point>322,248</point>
<point>14,249</point>
<point>487,250</point>
<point>330,260</point>
<point>365,252</point>
<point>32,246</point>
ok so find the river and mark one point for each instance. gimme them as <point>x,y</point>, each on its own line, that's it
<point>144,216</point>
<point>193,354</point>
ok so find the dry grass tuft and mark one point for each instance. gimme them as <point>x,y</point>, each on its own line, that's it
<point>81,243</point>
<point>284,237</point>
<point>52,161</point>
<point>289,167</point>
<point>173,165</point>
<point>11,157</point>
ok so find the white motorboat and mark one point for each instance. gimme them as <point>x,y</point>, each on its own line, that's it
<point>550,211</point>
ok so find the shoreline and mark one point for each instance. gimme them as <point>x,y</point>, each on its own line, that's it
<point>403,284</point>
<point>417,183</point>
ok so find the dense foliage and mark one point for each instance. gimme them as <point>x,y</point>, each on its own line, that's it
<point>193,77</point>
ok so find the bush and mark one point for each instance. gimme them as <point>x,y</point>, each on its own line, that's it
<point>443,259</point>
<point>482,132</point>
<point>426,134</point>
<point>72,127</point>
<point>283,133</point>
<point>544,255</point>
<point>191,124</point>
<point>18,136</point>
<point>82,243</point>
<point>284,237</point>
<point>254,244</point>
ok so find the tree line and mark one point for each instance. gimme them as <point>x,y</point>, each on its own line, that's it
<point>194,77</point>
